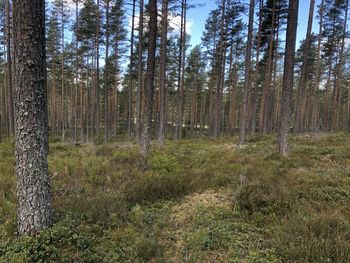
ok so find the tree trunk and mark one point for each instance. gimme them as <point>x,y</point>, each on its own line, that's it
<point>288,77</point>
<point>63,108</point>
<point>131,68</point>
<point>162,85</point>
<point>76,71</point>
<point>221,68</point>
<point>97,74</point>
<point>257,68</point>
<point>181,62</point>
<point>247,74</point>
<point>11,117</point>
<point>304,69</point>
<point>139,77</point>
<point>149,84</point>
<point>106,137</point>
<point>339,77</point>
<point>265,99</point>
<point>33,182</point>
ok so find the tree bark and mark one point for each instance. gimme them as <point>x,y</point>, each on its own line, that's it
<point>149,84</point>
<point>288,77</point>
<point>33,182</point>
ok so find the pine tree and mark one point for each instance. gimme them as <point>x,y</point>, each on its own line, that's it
<point>33,182</point>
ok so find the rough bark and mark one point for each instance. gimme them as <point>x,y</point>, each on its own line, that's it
<point>33,182</point>
<point>288,77</point>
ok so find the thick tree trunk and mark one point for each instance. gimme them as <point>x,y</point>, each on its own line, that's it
<point>288,77</point>
<point>33,182</point>
<point>149,84</point>
<point>162,84</point>
<point>247,74</point>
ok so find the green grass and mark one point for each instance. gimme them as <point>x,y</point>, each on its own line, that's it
<point>200,200</point>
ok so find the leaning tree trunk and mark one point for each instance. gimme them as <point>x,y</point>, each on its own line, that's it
<point>33,182</point>
<point>288,76</point>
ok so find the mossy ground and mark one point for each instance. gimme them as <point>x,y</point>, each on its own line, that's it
<point>200,200</point>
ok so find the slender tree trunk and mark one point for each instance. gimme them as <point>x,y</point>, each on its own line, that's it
<point>220,65</point>
<point>106,137</point>
<point>317,81</point>
<point>97,74</point>
<point>76,71</point>
<point>131,68</point>
<point>339,76</point>
<point>265,100</point>
<point>139,77</point>
<point>304,69</point>
<point>63,108</point>
<point>33,182</point>
<point>11,117</point>
<point>288,77</point>
<point>149,85</point>
<point>162,81</point>
<point>247,74</point>
<point>181,62</point>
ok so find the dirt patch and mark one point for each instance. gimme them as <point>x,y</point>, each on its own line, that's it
<point>184,212</point>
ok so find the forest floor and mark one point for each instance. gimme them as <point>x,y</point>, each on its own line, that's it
<point>200,200</point>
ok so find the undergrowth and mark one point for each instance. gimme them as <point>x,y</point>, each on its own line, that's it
<point>199,200</point>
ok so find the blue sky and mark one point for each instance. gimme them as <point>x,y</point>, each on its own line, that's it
<point>198,16</point>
